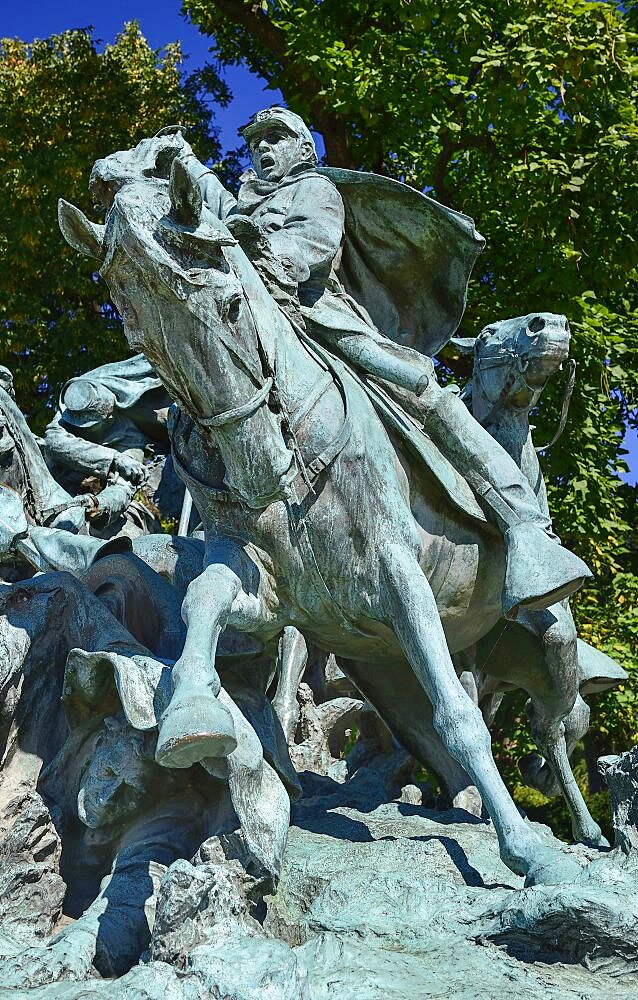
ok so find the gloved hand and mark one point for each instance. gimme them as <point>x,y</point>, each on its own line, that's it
<point>245,230</point>
<point>129,468</point>
<point>111,502</point>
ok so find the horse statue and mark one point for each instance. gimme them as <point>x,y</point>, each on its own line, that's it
<point>534,654</point>
<point>501,397</point>
<point>315,514</point>
<point>540,652</point>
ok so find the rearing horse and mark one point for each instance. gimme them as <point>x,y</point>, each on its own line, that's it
<point>314,516</point>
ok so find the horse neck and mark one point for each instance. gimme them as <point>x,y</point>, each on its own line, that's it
<point>297,369</point>
<point>256,451</point>
<point>512,430</point>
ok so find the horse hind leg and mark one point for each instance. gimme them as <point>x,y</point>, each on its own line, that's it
<point>454,780</point>
<point>410,606</point>
<point>292,658</point>
<point>559,718</point>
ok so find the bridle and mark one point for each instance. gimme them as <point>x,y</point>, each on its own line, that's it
<point>521,364</point>
<point>268,394</point>
<point>237,414</point>
<point>509,357</point>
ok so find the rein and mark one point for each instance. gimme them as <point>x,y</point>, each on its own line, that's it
<point>238,413</point>
<point>505,358</point>
<point>269,392</point>
<point>567,395</point>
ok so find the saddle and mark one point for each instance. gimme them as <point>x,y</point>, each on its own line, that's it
<point>394,411</point>
<point>393,406</point>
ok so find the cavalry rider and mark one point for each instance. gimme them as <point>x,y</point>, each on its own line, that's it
<point>105,421</point>
<point>290,220</point>
<point>109,421</point>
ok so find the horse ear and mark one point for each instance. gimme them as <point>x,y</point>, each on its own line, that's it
<point>186,197</point>
<point>464,345</point>
<point>83,235</point>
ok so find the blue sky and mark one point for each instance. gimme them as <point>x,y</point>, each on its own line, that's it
<point>162,22</point>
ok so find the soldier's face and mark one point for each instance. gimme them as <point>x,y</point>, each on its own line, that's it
<point>274,152</point>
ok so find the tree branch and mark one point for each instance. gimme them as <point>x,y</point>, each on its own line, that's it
<point>254,20</point>
<point>442,162</point>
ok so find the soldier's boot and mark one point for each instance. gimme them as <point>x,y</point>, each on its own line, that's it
<point>539,571</point>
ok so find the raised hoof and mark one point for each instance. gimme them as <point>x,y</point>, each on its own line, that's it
<point>552,867</point>
<point>192,729</point>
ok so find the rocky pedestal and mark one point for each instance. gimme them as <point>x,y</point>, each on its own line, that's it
<point>387,900</point>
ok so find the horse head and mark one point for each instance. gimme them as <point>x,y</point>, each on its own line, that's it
<point>513,360</point>
<point>188,296</point>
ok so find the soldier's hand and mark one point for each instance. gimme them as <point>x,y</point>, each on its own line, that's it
<point>244,229</point>
<point>129,468</point>
<point>111,502</point>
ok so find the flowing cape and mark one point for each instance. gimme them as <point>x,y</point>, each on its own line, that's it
<point>406,258</point>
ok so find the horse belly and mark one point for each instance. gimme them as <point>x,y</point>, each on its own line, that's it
<point>466,575</point>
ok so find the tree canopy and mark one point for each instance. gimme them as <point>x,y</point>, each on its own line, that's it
<point>63,104</point>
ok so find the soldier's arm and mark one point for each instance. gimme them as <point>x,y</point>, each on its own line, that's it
<point>216,197</point>
<point>311,235</point>
<point>75,453</point>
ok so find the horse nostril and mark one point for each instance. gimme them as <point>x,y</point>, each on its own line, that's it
<point>536,324</point>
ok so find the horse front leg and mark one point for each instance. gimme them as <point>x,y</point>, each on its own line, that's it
<point>196,725</point>
<point>411,607</point>
<point>550,738</point>
<point>292,661</point>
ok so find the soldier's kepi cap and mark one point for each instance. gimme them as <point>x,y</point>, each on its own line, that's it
<point>276,115</point>
<point>85,404</point>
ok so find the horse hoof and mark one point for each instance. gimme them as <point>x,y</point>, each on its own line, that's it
<point>193,728</point>
<point>593,839</point>
<point>552,867</point>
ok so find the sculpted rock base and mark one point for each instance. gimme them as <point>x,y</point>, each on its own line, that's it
<point>382,901</point>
